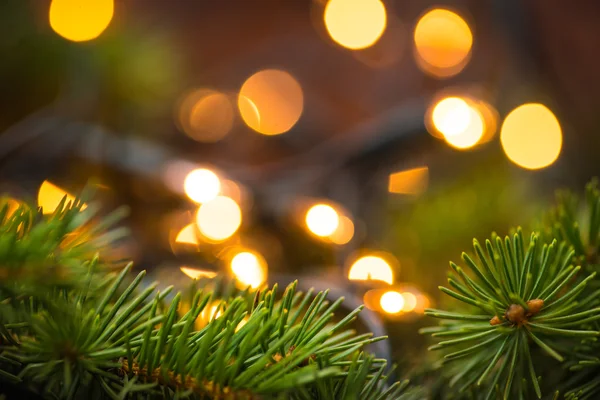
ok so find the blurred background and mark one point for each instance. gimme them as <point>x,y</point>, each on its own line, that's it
<point>356,145</point>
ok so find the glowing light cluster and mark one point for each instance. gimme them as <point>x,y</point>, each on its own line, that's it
<point>249,268</point>
<point>322,220</point>
<point>462,121</point>
<point>396,301</point>
<point>325,222</point>
<point>271,102</point>
<point>443,42</point>
<point>219,218</point>
<point>531,136</point>
<point>371,267</point>
<point>80,20</point>
<point>355,24</point>
<point>202,185</point>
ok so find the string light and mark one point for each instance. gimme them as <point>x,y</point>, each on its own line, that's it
<point>80,20</point>
<point>392,302</point>
<point>371,268</point>
<point>322,220</point>
<point>443,42</point>
<point>249,268</point>
<point>271,102</point>
<point>219,218</point>
<point>355,24</point>
<point>202,185</point>
<point>531,136</point>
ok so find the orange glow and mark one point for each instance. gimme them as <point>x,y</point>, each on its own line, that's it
<point>202,185</point>
<point>443,42</point>
<point>422,303</point>
<point>410,301</point>
<point>80,20</point>
<point>195,273</point>
<point>344,232</point>
<point>50,196</point>
<point>205,115</point>
<point>187,235</point>
<point>355,24</point>
<point>371,268</point>
<point>412,181</point>
<point>249,268</point>
<point>219,218</point>
<point>531,136</point>
<point>392,302</point>
<point>322,220</point>
<point>271,102</point>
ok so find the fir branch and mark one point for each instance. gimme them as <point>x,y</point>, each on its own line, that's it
<point>524,293</point>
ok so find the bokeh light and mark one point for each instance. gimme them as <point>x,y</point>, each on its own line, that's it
<point>451,116</point>
<point>410,301</point>
<point>249,268</point>
<point>187,235</point>
<point>355,24</point>
<point>443,42</point>
<point>459,121</point>
<point>271,102</point>
<point>531,136</point>
<point>202,185</point>
<point>219,218</point>
<point>344,231</point>
<point>205,115</point>
<point>50,196</point>
<point>371,268</point>
<point>196,273</point>
<point>411,181</point>
<point>80,20</point>
<point>392,302</point>
<point>322,220</point>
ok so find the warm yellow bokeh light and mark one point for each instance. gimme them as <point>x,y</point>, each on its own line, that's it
<point>472,133</point>
<point>50,196</point>
<point>202,185</point>
<point>355,24</point>
<point>344,232</point>
<point>443,42</point>
<point>195,273</point>
<point>187,235</point>
<point>451,116</point>
<point>322,220</point>
<point>410,301</point>
<point>271,102</point>
<point>392,302</point>
<point>249,268</point>
<point>412,181</point>
<point>371,268</point>
<point>219,218</point>
<point>80,20</point>
<point>531,136</point>
<point>205,115</point>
